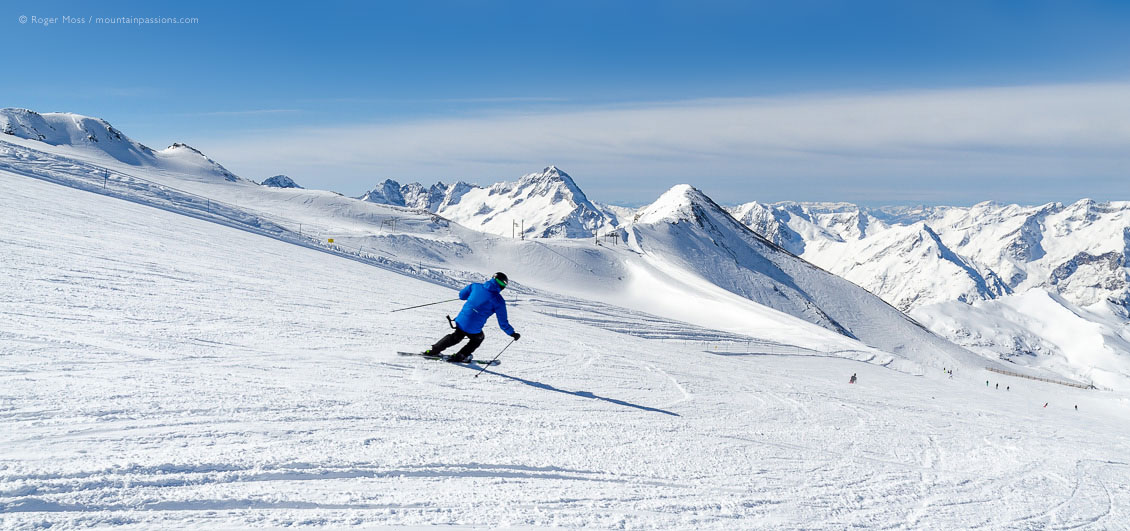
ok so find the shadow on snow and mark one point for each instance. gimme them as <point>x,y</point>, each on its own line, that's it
<point>582,394</point>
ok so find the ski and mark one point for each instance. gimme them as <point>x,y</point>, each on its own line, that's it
<point>444,358</point>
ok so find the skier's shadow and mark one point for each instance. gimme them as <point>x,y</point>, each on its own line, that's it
<point>582,394</point>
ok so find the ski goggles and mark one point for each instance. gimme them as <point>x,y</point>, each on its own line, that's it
<point>501,283</point>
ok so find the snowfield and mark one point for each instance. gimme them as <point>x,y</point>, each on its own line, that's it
<point>160,370</point>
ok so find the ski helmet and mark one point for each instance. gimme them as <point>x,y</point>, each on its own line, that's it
<point>501,280</point>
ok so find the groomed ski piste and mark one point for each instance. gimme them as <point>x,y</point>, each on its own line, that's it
<point>165,365</point>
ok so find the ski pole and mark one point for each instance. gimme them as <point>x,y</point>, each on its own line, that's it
<point>422,305</point>
<point>495,357</point>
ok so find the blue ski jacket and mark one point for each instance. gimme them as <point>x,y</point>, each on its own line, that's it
<point>482,301</point>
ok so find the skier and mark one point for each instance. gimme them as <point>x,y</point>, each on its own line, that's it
<point>852,380</point>
<point>482,301</point>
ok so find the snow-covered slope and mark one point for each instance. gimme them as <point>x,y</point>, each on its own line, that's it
<point>66,129</point>
<point>432,246</point>
<point>88,137</point>
<point>406,240</point>
<point>1041,329</point>
<point>686,227</point>
<point>690,232</point>
<point>187,160</point>
<point>164,370</point>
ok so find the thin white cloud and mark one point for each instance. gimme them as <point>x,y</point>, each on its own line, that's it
<point>1052,130</point>
<point>247,112</point>
<point>500,99</point>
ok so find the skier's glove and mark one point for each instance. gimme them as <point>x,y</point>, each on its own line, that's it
<point>515,335</point>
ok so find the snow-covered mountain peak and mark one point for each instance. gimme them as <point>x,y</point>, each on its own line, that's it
<point>987,205</point>
<point>551,182</point>
<point>675,205</point>
<point>386,192</point>
<point>551,174</point>
<point>186,159</point>
<point>68,129</point>
<point>545,204</point>
<point>280,181</point>
<point>924,228</point>
<point>415,195</point>
<point>684,202</point>
<point>1086,211</point>
<point>177,146</point>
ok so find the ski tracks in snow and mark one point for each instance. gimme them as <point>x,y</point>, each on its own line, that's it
<point>1091,501</point>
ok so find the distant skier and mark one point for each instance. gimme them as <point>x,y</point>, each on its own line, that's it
<point>483,300</point>
<point>852,380</point>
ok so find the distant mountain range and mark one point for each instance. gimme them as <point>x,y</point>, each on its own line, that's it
<point>1047,284</point>
<point>913,257</point>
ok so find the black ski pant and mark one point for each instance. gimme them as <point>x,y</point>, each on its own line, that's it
<point>452,339</point>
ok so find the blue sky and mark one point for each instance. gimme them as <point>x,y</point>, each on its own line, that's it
<point>871,102</point>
